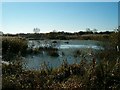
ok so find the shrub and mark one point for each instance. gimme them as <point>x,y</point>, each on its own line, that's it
<point>12,46</point>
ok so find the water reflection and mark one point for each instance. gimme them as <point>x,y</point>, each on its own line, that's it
<point>80,46</point>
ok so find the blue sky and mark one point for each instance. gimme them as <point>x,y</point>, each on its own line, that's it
<point>22,17</point>
<point>60,0</point>
<point>119,14</point>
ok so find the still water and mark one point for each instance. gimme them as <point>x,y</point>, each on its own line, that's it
<point>66,49</point>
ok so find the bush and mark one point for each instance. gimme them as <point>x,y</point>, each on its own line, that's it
<point>12,46</point>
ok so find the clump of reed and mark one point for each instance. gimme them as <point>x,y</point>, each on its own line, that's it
<point>53,52</point>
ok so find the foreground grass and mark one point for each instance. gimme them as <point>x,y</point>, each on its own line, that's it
<point>92,76</point>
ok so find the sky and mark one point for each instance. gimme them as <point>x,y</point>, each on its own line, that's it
<point>60,0</point>
<point>118,13</point>
<point>23,17</point>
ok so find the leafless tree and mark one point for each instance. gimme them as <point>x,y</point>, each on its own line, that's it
<point>94,30</point>
<point>36,30</point>
<point>88,29</point>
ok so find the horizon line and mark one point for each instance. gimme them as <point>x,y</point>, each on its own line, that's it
<point>57,32</point>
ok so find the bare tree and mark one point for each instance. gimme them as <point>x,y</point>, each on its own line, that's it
<point>36,30</point>
<point>1,33</point>
<point>115,30</point>
<point>55,31</point>
<point>87,29</point>
<point>94,30</point>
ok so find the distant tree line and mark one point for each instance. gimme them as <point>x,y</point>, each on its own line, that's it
<point>56,34</point>
<point>61,34</point>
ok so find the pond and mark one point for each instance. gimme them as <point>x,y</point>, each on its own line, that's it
<point>70,50</point>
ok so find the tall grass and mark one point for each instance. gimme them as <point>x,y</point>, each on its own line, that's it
<point>84,75</point>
